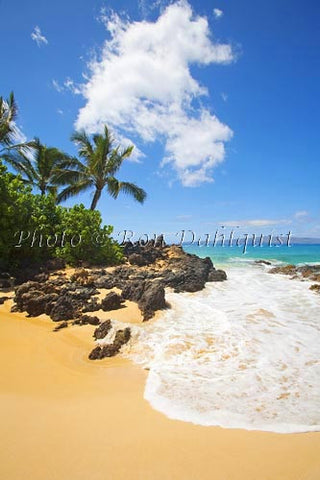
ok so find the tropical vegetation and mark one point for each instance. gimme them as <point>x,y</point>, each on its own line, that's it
<point>33,227</point>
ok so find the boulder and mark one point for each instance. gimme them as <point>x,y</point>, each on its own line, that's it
<point>284,269</point>
<point>87,320</point>
<point>22,289</point>
<point>152,299</point>
<point>60,326</point>
<point>102,330</point>
<point>133,290</point>
<point>112,301</point>
<point>110,350</point>
<point>36,303</point>
<point>93,305</point>
<point>96,353</point>
<point>83,277</point>
<point>41,277</point>
<point>106,281</point>
<point>315,287</point>
<point>217,276</point>
<point>62,310</point>
<point>137,259</point>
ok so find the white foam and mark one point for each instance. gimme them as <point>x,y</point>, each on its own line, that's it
<point>239,354</point>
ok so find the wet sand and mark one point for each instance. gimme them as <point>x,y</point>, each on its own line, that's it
<point>64,417</point>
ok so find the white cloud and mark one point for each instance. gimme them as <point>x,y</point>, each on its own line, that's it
<point>255,223</point>
<point>68,84</point>
<point>37,36</point>
<point>147,6</point>
<point>301,214</point>
<point>142,86</point>
<point>217,12</point>
<point>57,86</point>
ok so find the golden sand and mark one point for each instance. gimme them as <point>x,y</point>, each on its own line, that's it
<point>64,417</point>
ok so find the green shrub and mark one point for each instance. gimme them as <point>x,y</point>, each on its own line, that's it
<point>23,214</point>
<point>33,229</point>
<point>85,238</point>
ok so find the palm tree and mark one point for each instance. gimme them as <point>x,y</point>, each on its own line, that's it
<point>42,167</point>
<point>8,129</point>
<point>8,114</point>
<point>100,162</point>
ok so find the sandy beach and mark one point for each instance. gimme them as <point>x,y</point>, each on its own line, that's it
<point>64,417</point>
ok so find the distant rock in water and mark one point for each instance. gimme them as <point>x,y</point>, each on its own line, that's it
<point>315,287</point>
<point>308,272</point>
<point>262,262</point>
<point>304,272</point>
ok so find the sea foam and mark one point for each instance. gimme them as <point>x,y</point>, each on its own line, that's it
<point>239,354</point>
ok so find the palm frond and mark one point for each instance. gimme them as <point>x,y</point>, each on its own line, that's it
<point>113,186</point>
<point>66,177</point>
<point>132,189</point>
<point>73,190</point>
<point>21,163</point>
<point>116,159</point>
<point>8,114</point>
<point>84,145</point>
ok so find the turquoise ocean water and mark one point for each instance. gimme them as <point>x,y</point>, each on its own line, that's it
<point>294,254</point>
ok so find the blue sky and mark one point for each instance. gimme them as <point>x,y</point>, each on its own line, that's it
<point>221,100</point>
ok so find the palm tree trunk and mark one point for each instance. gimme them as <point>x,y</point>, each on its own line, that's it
<point>97,195</point>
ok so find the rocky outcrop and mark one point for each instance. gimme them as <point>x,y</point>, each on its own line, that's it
<point>59,298</point>
<point>315,287</point>
<point>308,272</point>
<point>217,276</point>
<point>63,309</point>
<point>87,320</point>
<point>38,273</point>
<point>143,280</point>
<point>60,326</point>
<point>262,262</point>
<point>112,301</point>
<point>304,272</point>
<point>110,350</point>
<point>102,330</point>
<point>152,299</point>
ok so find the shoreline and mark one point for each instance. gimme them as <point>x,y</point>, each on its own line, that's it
<point>66,417</point>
